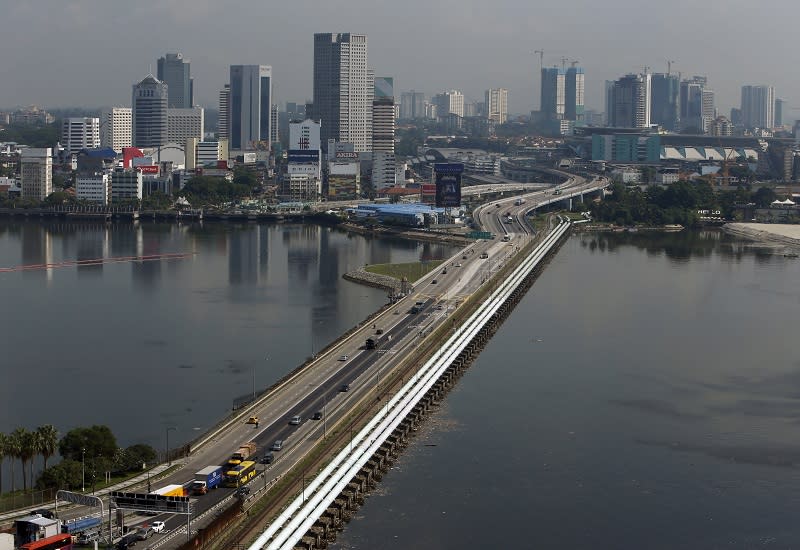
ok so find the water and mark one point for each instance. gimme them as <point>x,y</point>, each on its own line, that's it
<point>143,346</point>
<point>644,394</point>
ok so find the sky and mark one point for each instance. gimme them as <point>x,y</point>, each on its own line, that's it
<point>88,53</point>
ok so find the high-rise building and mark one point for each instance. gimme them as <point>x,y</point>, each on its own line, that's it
<point>758,106</point>
<point>175,71</point>
<point>691,103</point>
<point>149,113</point>
<point>36,172</point>
<point>273,121</point>
<point>665,101</point>
<point>80,133</point>
<point>573,94</point>
<point>451,102</point>
<point>412,105</point>
<point>93,187</point>
<point>183,124</point>
<point>126,184</point>
<point>496,101</point>
<point>115,128</point>
<point>708,111</point>
<point>201,153</point>
<point>250,107</point>
<point>553,95</point>
<point>343,89</point>
<point>383,159</point>
<point>630,101</point>
<point>779,107</point>
<point>224,112</point>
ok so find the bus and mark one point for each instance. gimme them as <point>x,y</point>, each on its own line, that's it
<point>241,474</point>
<point>56,542</point>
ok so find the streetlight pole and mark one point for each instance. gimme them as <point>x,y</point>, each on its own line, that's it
<point>83,470</point>
<point>169,459</point>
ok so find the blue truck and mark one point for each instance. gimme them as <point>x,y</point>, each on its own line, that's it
<point>80,525</point>
<point>206,479</point>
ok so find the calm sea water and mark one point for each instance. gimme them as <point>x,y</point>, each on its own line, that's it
<point>142,346</point>
<point>644,394</point>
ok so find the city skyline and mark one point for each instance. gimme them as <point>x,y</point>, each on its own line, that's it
<point>709,45</point>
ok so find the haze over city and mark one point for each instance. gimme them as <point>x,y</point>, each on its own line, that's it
<point>87,53</point>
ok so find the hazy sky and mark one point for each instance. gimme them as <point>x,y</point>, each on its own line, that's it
<point>87,53</point>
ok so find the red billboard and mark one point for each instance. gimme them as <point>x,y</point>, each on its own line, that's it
<point>148,169</point>
<point>428,193</point>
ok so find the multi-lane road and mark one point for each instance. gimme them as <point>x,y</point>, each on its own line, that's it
<point>319,387</point>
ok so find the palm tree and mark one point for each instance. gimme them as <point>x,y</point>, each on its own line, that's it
<point>32,446</point>
<point>14,450</point>
<point>3,453</point>
<point>48,439</point>
<point>27,452</point>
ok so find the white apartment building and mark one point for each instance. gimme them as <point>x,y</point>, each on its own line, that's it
<point>201,153</point>
<point>95,188</point>
<point>224,112</point>
<point>115,128</point>
<point>449,102</point>
<point>183,124</point>
<point>36,172</point>
<point>497,105</point>
<point>305,135</point>
<point>80,133</point>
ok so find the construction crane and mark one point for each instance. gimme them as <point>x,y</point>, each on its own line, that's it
<point>564,63</point>
<point>573,63</point>
<point>541,59</point>
<point>669,66</point>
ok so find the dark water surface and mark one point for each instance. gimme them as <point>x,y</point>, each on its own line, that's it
<point>644,394</point>
<point>142,346</point>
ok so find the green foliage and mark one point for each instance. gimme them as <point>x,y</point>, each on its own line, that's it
<point>764,197</point>
<point>133,457</point>
<point>32,135</point>
<point>157,201</point>
<point>58,198</point>
<point>67,474</point>
<point>97,440</point>
<point>206,190</point>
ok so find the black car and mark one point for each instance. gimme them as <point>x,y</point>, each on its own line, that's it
<point>344,388</point>
<point>267,458</point>
<point>127,541</point>
<point>317,415</point>
<point>243,491</point>
<point>44,513</point>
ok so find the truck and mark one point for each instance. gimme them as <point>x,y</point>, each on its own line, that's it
<point>80,525</point>
<point>519,202</point>
<point>245,451</point>
<point>206,479</point>
<point>170,491</point>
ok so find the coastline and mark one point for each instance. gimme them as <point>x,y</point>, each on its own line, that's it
<point>766,233</point>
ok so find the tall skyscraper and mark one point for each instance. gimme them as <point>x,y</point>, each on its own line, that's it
<point>115,128</point>
<point>80,133</point>
<point>449,102</point>
<point>630,101</point>
<point>149,113</point>
<point>383,159</point>
<point>36,172</point>
<point>184,124</point>
<point>224,112</point>
<point>496,101</point>
<point>250,106</point>
<point>343,89</point>
<point>412,105</point>
<point>665,101</point>
<point>779,106</point>
<point>175,72</point>
<point>273,121</point>
<point>553,96</point>
<point>573,94</point>
<point>758,106</point>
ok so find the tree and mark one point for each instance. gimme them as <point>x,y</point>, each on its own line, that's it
<point>3,454</point>
<point>764,197</point>
<point>64,475</point>
<point>48,439</point>
<point>13,446</point>
<point>28,450</point>
<point>97,440</point>
<point>136,455</point>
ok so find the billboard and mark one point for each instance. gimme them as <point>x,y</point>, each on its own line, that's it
<point>303,155</point>
<point>447,176</point>
<point>346,155</point>
<point>150,502</point>
<point>428,193</point>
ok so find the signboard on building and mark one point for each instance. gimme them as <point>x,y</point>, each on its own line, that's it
<point>346,155</point>
<point>428,193</point>
<point>301,156</point>
<point>148,169</point>
<point>447,176</point>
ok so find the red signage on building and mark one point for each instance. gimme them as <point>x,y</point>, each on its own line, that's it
<point>148,169</point>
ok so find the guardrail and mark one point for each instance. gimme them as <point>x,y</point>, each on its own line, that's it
<point>304,511</point>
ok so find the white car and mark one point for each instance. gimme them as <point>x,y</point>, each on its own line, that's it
<point>158,526</point>
<point>343,358</point>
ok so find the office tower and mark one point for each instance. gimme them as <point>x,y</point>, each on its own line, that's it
<point>665,101</point>
<point>303,180</point>
<point>691,103</point>
<point>80,133</point>
<point>708,111</point>
<point>183,124</point>
<point>779,107</point>
<point>758,106</point>
<point>451,102</point>
<point>553,96</point>
<point>126,184</point>
<point>94,187</point>
<point>736,116</point>
<point>115,128</point>
<point>412,105</point>
<point>175,72</point>
<point>224,112</point>
<point>573,94</point>
<point>631,101</point>
<point>273,121</point>
<point>343,89</point>
<point>202,153</point>
<point>149,113</point>
<point>250,106</point>
<point>496,101</point>
<point>36,172</point>
<point>609,102</point>
<point>383,159</point>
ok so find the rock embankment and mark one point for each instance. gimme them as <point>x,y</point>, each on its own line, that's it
<point>777,233</point>
<point>364,277</point>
